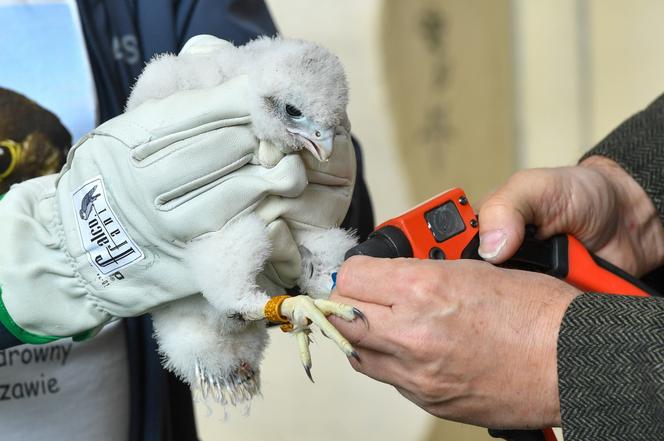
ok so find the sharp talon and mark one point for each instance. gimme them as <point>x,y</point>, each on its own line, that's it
<point>199,377</point>
<point>307,369</point>
<point>206,389</point>
<point>356,356</point>
<point>217,390</point>
<point>359,314</point>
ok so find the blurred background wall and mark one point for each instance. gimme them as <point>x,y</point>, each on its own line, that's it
<point>448,93</point>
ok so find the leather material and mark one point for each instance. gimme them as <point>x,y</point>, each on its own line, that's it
<point>173,170</point>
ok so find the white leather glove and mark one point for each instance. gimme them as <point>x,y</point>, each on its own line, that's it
<point>105,238</point>
<point>309,218</point>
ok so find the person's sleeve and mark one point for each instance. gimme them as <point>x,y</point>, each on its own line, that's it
<point>7,339</point>
<point>638,146</point>
<point>611,368</point>
<point>611,348</point>
<point>360,216</point>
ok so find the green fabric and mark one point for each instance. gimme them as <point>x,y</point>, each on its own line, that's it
<point>86,335</point>
<point>17,331</point>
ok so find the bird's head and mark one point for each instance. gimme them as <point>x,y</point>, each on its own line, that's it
<point>300,94</point>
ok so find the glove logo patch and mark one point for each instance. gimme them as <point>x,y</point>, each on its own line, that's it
<point>103,237</point>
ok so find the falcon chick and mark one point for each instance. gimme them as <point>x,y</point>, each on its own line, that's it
<point>298,96</point>
<point>297,102</point>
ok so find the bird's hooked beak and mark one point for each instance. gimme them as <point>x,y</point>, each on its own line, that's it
<point>319,141</point>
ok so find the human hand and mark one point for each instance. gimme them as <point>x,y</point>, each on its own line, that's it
<point>597,202</point>
<point>464,340</point>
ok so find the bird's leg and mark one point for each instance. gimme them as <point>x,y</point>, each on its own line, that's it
<point>227,265</point>
<point>223,358</point>
<point>298,313</point>
<point>322,252</point>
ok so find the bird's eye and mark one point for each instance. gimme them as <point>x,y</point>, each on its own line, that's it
<point>8,158</point>
<point>293,111</point>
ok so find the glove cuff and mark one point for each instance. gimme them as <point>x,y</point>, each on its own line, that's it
<point>14,329</point>
<point>18,332</point>
<point>31,338</point>
<point>43,297</point>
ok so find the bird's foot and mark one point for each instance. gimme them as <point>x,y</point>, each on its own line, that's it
<point>218,356</point>
<point>298,313</point>
<point>241,385</point>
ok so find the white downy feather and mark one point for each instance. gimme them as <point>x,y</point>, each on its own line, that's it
<point>226,264</point>
<point>322,254</point>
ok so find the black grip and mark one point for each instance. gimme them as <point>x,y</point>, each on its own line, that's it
<point>549,256</point>
<point>518,435</point>
<point>389,242</point>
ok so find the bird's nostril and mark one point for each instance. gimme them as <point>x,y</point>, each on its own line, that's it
<point>317,134</point>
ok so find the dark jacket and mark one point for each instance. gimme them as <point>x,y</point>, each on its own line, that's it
<point>121,36</point>
<point>611,348</point>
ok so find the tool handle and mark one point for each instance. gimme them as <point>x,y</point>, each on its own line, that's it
<point>564,257</point>
<point>524,435</point>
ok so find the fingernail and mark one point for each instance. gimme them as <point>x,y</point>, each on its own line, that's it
<point>491,243</point>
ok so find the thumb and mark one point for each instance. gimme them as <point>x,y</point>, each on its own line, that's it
<point>504,214</point>
<point>502,228</point>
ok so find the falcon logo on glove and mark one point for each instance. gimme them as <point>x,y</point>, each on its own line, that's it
<point>106,241</point>
<point>86,204</point>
